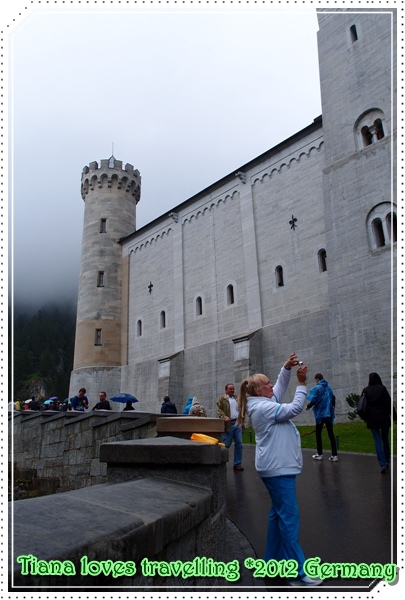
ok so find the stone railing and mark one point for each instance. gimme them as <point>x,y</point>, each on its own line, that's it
<point>61,450</point>
<point>157,524</point>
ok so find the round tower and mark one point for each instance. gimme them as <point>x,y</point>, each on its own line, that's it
<point>111,193</point>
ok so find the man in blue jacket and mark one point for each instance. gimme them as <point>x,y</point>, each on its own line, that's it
<point>322,402</point>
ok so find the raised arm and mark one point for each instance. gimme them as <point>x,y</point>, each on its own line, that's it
<point>292,409</point>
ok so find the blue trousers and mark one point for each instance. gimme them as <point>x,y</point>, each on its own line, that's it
<point>234,433</point>
<point>284,521</point>
<point>382,446</point>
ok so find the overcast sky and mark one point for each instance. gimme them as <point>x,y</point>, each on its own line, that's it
<point>185,96</point>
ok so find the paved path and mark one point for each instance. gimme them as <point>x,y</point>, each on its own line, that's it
<point>346,508</point>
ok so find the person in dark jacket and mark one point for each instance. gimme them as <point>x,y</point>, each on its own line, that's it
<point>103,404</point>
<point>168,406</point>
<point>378,418</point>
<point>128,405</point>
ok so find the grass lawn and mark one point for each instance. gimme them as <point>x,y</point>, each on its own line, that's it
<point>351,437</point>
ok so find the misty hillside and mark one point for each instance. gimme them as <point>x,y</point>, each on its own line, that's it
<point>42,351</point>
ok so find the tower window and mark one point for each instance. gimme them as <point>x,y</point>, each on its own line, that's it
<point>382,226</point>
<point>198,307</point>
<point>162,320</point>
<point>279,276</point>
<point>378,233</point>
<point>103,225</point>
<point>322,260</point>
<point>97,341</point>
<point>370,128</point>
<point>100,279</point>
<point>353,33</point>
<point>139,328</point>
<point>230,295</point>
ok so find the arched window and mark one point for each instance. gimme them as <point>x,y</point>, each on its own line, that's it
<point>391,220</point>
<point>382,226</point>
<point>162,320</point>
<point>198,307</point>
<point>139,328</point>
<point>322,260</point>
<point>378,232</point>
<point>353,33</point>
<point>279,276</point>
<point>369,128</point>
<point>230,295</point>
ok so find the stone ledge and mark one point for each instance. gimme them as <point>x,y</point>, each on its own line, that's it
<point>164,450</point>
<point>123,521</point>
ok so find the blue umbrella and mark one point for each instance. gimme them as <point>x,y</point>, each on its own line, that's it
<point>123,398</point>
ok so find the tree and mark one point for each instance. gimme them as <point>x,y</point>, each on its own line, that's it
<point>43,347</point>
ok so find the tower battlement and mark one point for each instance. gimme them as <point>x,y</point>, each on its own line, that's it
<point>111,173</point>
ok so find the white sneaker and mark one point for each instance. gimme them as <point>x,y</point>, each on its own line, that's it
<point>333,458</point>
<point>317,456</point>
<point>304,581</point>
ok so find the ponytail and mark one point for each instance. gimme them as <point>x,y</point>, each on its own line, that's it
<point>248,388</point>
<point>242,401</point>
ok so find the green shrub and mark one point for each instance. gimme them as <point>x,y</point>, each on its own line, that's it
<point>352,400</point>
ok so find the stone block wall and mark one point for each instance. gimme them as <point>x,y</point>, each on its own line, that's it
<point>67,445</point>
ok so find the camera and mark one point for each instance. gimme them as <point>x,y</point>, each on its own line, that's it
<point>300,363</point>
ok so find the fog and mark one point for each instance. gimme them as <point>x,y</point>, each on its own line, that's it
<point>185,96</point>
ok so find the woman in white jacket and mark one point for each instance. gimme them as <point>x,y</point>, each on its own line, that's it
<point>278,458</point>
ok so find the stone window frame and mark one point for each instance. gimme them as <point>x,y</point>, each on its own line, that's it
<point>101,279</point>
<point>378,223</point>
<point>163,319</point>
<point>139,328</point>
<point>103,225</point>
<point>370,128</point>
<point>279,276</point>
<point>230,297</point>
<point>354,34</point>
<point>322,256</point>
<point>98,337</point>
<point>199,304</point>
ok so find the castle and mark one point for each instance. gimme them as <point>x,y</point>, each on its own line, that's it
<point>293,251</point>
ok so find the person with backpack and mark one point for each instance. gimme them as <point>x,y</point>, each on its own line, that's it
<point>197,410</point>
<point>322,401</point>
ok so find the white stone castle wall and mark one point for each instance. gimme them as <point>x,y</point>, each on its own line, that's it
<point>238,232</point>
<point>218,249</point>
